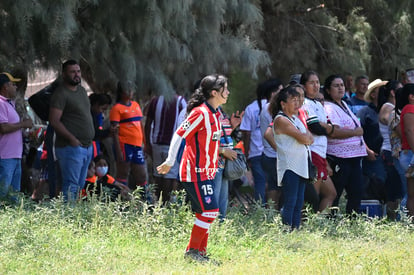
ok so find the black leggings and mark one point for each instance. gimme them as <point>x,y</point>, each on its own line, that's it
<point>347,175</point>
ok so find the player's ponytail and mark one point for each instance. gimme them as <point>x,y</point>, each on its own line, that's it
<point>203,92</point>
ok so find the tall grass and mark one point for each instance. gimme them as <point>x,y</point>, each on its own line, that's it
<point>96,237</point>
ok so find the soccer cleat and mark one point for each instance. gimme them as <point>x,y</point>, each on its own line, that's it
<point>194,255</point>
<point>210,260</point>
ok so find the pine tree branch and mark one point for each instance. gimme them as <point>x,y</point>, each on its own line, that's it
<point>379,46</point>
<point>324,27</point>
<point>308,10</point>
<point>320,46</point>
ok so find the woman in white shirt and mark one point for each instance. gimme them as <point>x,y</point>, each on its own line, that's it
<point>320,128</point>
<point>292,139</point>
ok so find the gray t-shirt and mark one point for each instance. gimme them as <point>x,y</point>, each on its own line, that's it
<point>76,115</point>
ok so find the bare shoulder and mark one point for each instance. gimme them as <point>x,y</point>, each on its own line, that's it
<point>281,123</point>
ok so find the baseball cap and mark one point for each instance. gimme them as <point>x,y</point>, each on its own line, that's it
<point>294,79</point>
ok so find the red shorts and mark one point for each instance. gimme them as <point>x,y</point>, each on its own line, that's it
<point>320,164</point>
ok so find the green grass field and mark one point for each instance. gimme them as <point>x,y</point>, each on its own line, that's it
<point>115,238</point>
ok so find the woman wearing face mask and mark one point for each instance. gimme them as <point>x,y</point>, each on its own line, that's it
<point>99,182</point>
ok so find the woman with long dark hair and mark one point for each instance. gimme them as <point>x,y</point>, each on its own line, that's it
<point>269,156</point>
<point>199,162</point>
<point>393,183</point>
<point>320,128</point>
<point>252,139</point>
<point>346,147</point>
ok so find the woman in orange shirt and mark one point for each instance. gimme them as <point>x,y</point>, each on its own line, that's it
<point>126,117</point>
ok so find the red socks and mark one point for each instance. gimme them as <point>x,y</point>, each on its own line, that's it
<point>199,234</point>
<point>203,244</point>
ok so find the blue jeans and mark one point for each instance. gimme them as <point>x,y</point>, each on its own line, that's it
<point>73,164</point>
<point>401,173</point>
<point>259,178</point>
<point>406,158</point>
<point>10,177</point>
<point>269,167</point>
<point>221,193</point>
<point>293,187</point>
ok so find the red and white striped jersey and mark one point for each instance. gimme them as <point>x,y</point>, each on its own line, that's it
<point>201,131</point>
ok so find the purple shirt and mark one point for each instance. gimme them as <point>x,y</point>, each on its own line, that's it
<point>11,144</point>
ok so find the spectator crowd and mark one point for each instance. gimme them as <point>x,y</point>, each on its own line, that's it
<point>359,135</point>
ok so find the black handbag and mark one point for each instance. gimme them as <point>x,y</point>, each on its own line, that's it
<point>235,169</point>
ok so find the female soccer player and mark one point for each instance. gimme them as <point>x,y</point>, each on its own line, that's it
<point>199,163</point>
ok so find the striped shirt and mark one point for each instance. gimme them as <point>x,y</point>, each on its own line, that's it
<point>129,119</point>
<point>164,117</point>
<point>202,132</point>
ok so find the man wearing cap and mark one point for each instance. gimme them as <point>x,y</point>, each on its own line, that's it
<point>357,102</point>
<point>372,165</point>
<point>11,139</point>
<point>71,118</point>
<point>294,79</point>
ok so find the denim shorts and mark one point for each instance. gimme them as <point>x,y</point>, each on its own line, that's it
<point>406,158</point>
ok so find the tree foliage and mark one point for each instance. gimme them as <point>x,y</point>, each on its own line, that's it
<point>371,37</point>
<point>165,46</point>
<point>162,45</point>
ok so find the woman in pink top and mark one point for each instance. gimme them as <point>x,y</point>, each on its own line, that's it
<point>346,146</point>
<point>406,104</point>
